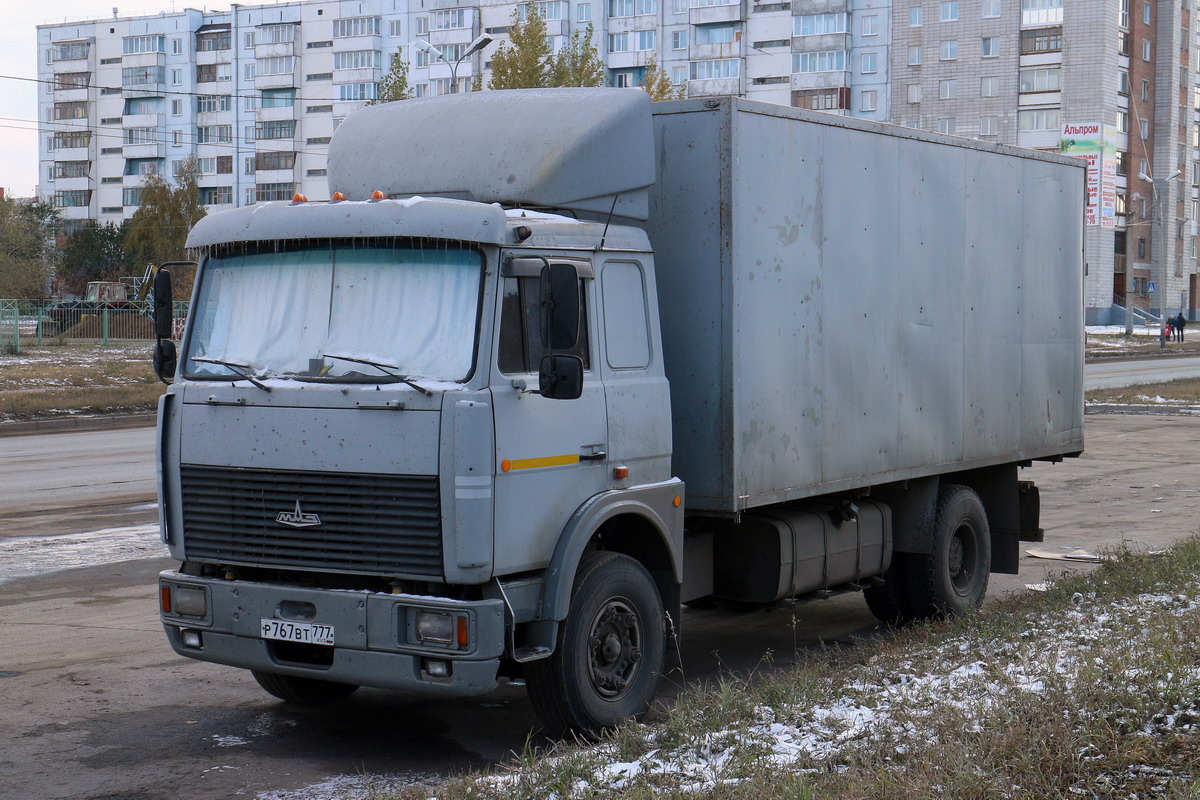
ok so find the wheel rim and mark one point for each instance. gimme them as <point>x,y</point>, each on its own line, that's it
<point>614,648</point>
<point>963,557</point>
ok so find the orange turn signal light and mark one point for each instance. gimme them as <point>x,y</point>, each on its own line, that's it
<point>620,472</point>
<point>337,197</point>
<point>164,598</point>
<point>378,195</point>
<point>505,465</point>
<point>464,632</point>
<point>299,198</point>
<point>678,501</point>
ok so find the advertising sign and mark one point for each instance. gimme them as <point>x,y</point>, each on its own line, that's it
<point>1087,141</point>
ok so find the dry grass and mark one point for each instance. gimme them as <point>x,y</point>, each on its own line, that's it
<point>1182,392</point>
<point>1113,713</point>
<point>51,381</point>
<point>1143,342</point>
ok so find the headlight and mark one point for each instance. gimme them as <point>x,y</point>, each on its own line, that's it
<point>186,601</point>
<point>436,627</point>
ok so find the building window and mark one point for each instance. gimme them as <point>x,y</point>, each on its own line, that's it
<point>176,77</point>
<point>630,8</point>
<point>947,126</point>
<point>144,44</point>
<point>1041,40</point>
<point>867,100</point>
<point>277,65</point>
<point>211,134</point>
<point>678,75</point>
<point>989,86</point>
<point>914,17</point>
<point>949,50</point>
<point>356,59</point>
<point>583,12</point>
<point>827,61</point>
<point>1123,43</point>
<point>207,103</point>
<point>139,136</point>
<point>394,28</point>
<point>818,24</point>
<point>988,126</point>
<point>369,26</point>
<point>1146,13</point>
<point>216,195</point>
<point>914,93</point>
<point>679,39</point>
<point>1146,50</point>
<point>869,63</point>
<point>947,89</point>
<point>949,10</point>
<point>212,40</point>
<point>713,34</point>
<point>278,98</point>
<point>914,55</point>
<point>991,8</point>
<point>1041,80</point>
<point>248,40</point>
<point>177,138</point>
<point>141,76</point>
<point>1122,82</point>
<point>68,51</point>
<point>276,129</point>
<point>721,68</point>
<point>1123,14</point>
<point>275,34</point>
<point>132,196</point>
<point>870,25</point>
<point>822,99</point>
<point>267,192</point>
<point>1041,119</point>
<point>990,47</point>
<point>1123,121</point>
<point>279,160</point>
<point>70,169</point>
<point>1122,162</point>
<point>75,110</point>
<point>357,91</point>
<point>1144,128</point>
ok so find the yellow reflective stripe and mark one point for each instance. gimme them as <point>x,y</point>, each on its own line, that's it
<point>548,461</point>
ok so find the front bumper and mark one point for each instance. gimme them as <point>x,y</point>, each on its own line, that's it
<point>371,646</point>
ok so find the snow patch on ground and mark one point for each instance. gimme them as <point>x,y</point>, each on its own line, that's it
<point>26,556</point>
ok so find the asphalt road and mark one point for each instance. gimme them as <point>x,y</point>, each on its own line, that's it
<point>96,705</point>
<point>1105,374</point>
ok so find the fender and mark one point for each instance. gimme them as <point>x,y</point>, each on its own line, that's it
<point>653,502</point>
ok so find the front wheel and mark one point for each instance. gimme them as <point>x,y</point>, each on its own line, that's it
<point>610,650</point>
<point>303,691</point>
<point>953,579</point>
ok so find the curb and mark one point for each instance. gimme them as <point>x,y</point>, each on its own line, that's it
<point>68,424</point>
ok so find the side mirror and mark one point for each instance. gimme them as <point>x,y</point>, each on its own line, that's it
<point>561,377</point>
<point>165,360</point>
<point>560,304</point>
<point>163,305</point>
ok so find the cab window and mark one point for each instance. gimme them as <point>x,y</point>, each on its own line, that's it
<point>520,343</point>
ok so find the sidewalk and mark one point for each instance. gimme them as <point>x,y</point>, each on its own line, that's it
<point>97,422</point>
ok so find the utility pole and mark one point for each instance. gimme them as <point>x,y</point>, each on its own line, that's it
<point>1162,191</point>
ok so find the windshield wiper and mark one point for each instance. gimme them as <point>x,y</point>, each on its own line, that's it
<point>242,370</point>
<point>385,368</point>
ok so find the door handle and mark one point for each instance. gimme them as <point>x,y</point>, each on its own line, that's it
<point>599,455</point>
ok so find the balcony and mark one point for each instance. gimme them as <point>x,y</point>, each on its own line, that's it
<point>820,80</point>
<point>821,43</point>
<point>363,74</point>
<point>215,57</point>
<point>72,95</point>
<point>142,121</point>
<point>284,81</point>
<point>632,58</point>
<point>374,41</point>
<point>1037,17</point>
<point>708,87</point>
<point>72,154</point>
<point>151,150</point>
<point>274,50</point>
<point>707,52</point>
<point>264,114</point>
<point>275,175</point>
<point>707,15</point>
<point>67,184</point>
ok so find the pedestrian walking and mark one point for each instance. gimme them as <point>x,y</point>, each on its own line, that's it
<point>1169,329</point>
<point>1180,324</point>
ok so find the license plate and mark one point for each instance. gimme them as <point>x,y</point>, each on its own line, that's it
<point>306,632</point>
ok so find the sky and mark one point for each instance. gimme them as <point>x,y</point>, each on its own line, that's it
<point>18,59</point>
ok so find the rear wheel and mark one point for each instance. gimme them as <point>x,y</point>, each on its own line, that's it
<point>303,691</point>
<point>953,579</point>
<point>610,650</point>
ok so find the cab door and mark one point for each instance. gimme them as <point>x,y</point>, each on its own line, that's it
<point>552,455</point>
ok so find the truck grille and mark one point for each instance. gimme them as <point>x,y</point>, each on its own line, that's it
<point>372,524</point>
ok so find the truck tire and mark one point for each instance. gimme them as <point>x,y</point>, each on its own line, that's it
<point>953,579</point>
<point>303,691</point>
<point>889,601</point>
<point>610,650</point>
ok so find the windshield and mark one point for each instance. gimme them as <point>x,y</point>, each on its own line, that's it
<point>285,315</point>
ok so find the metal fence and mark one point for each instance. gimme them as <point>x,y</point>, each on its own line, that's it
<point>25,323</point>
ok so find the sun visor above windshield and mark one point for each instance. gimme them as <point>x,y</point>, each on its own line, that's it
<point>572,149</point>
<point>427,218</point>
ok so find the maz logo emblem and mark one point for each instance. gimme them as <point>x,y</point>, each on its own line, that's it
<point>297,518</point>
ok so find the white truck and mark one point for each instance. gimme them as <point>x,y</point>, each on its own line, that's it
<point>439,433</point>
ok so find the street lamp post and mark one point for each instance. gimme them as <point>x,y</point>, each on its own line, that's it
<point>481,41</point>
<point>1161,188</point>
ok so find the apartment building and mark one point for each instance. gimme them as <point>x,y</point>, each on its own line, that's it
<point>255,93</point>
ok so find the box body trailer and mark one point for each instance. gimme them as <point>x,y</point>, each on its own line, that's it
<point>504,413</point>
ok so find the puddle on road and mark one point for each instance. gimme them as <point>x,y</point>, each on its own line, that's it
<point>30,556</point>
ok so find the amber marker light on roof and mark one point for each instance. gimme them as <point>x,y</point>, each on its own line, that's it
<point>299,198</point>
<point>378,195</point>
<point>337,197</point>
